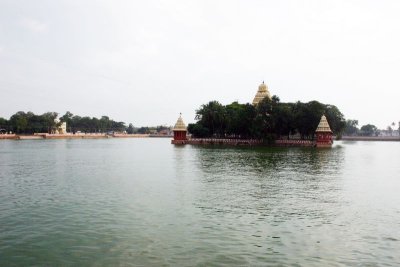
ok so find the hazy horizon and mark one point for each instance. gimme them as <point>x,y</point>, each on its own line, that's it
<point>145,62</point>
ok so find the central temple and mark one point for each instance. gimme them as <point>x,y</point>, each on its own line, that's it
<point>261,94</point>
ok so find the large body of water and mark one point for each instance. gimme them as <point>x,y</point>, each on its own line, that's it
<point>145,202</point>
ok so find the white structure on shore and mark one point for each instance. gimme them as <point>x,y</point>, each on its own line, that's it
<point>62,129</point>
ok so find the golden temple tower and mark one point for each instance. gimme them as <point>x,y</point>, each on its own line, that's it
<point>261,93</point>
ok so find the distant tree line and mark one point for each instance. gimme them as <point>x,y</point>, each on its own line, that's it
<point>150,130</point>
<point>270,119</point>
<point>30,123</point>
<point>352,129</point>
<point>92,125</point>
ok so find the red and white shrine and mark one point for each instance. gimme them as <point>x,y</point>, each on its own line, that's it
<point>179,132</point>
<point>323,133</point>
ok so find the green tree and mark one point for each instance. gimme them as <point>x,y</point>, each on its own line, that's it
<point>351,127</point>
<point>264,122</point>
<point>368,130</point>
<point>307,117</point>
<point>130,129</point>
<point>36,123</point>
<point>336,119</point>
<point>75,124</point>
<point>67,118</point>
<point>3,125</point>
<point>105,124</point>
<point>143,130</point>
<point>213,117</point>
<point>117,126</point>
<point>390,130</point>
<point>239,119</point>
<point>49,122</point>
<point>95,125</point>
<point>197,130</point>
<point>392,127</point>
<point>284,121</point>
<point>19,122</point>
<point>86,124</point>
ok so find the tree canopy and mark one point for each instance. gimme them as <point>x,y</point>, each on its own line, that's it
<point>29,122</point>
<point>368,130</point>
<point>351,127</point>
<point>269,119</point>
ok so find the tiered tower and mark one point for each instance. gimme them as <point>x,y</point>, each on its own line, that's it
<point>261,93</point>
<point>324,133</point>
<point>179,132</point>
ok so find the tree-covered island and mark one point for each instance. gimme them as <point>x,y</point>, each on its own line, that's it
<point>269,119</point>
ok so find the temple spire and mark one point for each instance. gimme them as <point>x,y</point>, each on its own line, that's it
<point>261,93</point>
<point>180,125</point>
<point>323,126</point>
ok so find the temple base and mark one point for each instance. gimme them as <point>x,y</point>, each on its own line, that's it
<point>322,145</point>
<point>252,142</point>
<point>179,142</point>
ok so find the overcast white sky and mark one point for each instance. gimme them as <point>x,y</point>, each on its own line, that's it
<point>146,61</point>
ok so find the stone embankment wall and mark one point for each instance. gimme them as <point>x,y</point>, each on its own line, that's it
<point>214,141</point>
<point>245,142</point>
<point>41,136</point>
<point>8,136</point>
<point>371,138</point>
<point>130,135</point>
<point>74,136</point>
<point>29,137</point>
<point>301,143</point>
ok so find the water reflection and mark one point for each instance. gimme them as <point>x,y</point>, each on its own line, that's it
<point>270,192</point>
<point>270,172</point>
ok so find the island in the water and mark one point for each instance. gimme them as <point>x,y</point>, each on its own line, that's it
<point>267,121</point>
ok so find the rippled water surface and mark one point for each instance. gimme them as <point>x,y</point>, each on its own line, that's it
<point>145,202</point>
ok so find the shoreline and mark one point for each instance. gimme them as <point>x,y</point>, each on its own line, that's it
<point>42,136</point>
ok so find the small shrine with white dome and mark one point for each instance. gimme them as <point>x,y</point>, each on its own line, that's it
<point>180,131</point>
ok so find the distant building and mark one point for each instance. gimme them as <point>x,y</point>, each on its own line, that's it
<point>388,133</point>
<point>62,129</point>
<point>165,132</point>
<point>261,93</point>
